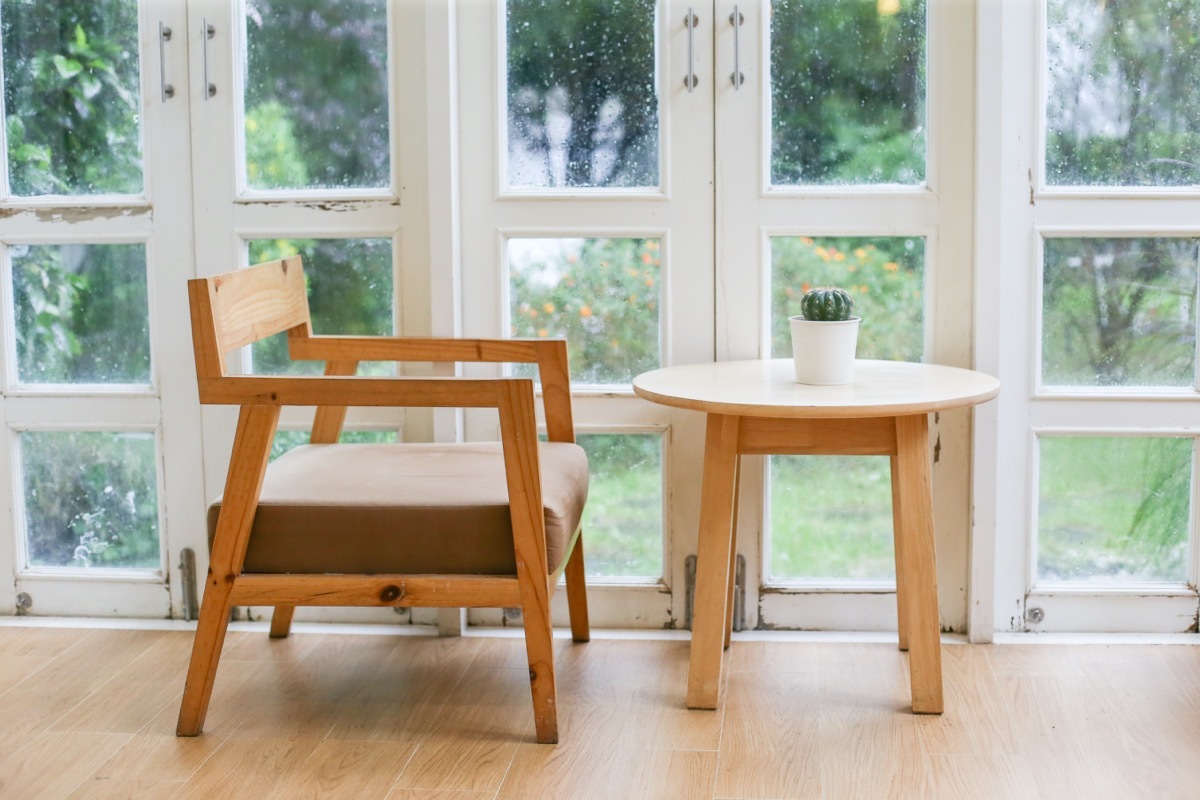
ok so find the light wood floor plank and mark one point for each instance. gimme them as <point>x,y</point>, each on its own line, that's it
<point>54,764</point>
<point>415,718</point>
<point>867,732</point>
<point>771,724</point>
<point>137,692</point>
<point>86,664</point>
<point>249,768</point>
<point>399,693</point>
<point>977,719</point>
<point>486,716</point>
<point>346,769</point>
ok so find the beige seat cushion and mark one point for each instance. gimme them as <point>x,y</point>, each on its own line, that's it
<point>404,508</point>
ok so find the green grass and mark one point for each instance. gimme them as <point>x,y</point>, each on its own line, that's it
<point>623,521</point>
<point>1113,509</point>
<point>831,517</point>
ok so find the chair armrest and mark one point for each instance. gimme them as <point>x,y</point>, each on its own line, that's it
<point>356,391</point>
<point>403,348</point>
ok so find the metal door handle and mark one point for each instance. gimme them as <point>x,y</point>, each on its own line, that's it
<point>690,22</point>
<point>209,32</point>
<point>736,20</point>
<point>166,90</point>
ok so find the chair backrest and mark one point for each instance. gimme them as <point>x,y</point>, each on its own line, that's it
<point>235,309</point>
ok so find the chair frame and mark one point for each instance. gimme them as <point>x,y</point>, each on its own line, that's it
<point>233,310</point>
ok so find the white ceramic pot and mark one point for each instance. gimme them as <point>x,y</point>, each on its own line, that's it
<point>824,351</point>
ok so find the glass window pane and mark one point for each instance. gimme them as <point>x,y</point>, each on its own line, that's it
<point>71,96</point>
<point>831,517</point>
<point>91,499</point>
<point>885,276</point>
<point>1119,312</point>
<point>582,101</point>
<point>1123,93</point>
<point>602,295</point>
<point>349,292</point>
<point>1113,509</point>
<point>623,520</point>
<point>81,313</point>
<point>316,94</point>
<point>847,92</point>
<point>286,440</point>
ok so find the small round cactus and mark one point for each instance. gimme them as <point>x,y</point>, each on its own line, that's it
<point>826,305</point>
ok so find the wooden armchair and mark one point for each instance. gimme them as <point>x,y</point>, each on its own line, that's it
<point>410,525</point>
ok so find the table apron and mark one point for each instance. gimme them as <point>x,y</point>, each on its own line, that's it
<point>865,436</point>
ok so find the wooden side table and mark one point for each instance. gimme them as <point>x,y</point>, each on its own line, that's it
<point>757,408</point>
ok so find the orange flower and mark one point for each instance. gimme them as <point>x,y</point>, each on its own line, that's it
<point>548,308</point>
<point>543,332</point>
<point>585,312</point>
<point>804,287</point>
<point>891,266</point>
<point>804,240</point>
<point>647,258</point>
<point>649,281</point>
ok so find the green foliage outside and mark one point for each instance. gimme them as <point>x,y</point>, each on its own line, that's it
<point>884,277</point>
<point>71,96</point>
<point>1119,312</point>
<point>831,517</point>
<point>623,520</point>
<point>82,313</point>
<point>589,66</point>
<point>1113,508</point>
<point>1124,93</point>
<point>91,499</point>
<point>316,94</point>
<point>847,92</point>
<point>273,158</point>
<point>349,292</point>
<point>602,295</point>
<point>286,440</point>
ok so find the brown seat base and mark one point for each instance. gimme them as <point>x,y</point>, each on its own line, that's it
<point>404,509</point>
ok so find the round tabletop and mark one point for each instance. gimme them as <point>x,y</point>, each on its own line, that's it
<point>769,389</point>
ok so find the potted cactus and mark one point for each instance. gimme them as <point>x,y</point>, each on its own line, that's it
<point>825,337</point>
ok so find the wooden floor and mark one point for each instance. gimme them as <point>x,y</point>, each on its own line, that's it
<point>91,714</point>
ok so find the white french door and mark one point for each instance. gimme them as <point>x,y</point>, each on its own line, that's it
<point>100,429</point>
<point>315,114</point>
<point>587,206</point>
<point>877,200</point>
<point>1089,512</point>
<point>527,168</point>
<point>736,211</point>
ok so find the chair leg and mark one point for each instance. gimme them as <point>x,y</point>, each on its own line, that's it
<point>540,651</point>
<point>577,593</point>
<point>539,646</point>
<point>206,652</point>
<point>247,466</point>
<point>281,621</point>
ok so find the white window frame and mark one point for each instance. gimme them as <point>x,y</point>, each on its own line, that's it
<point>1015,211</point>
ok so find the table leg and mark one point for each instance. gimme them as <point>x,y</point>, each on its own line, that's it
<point>901,590</point>
<point>737,487</point>
<point>919,566</point>
<point>714,551</point>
